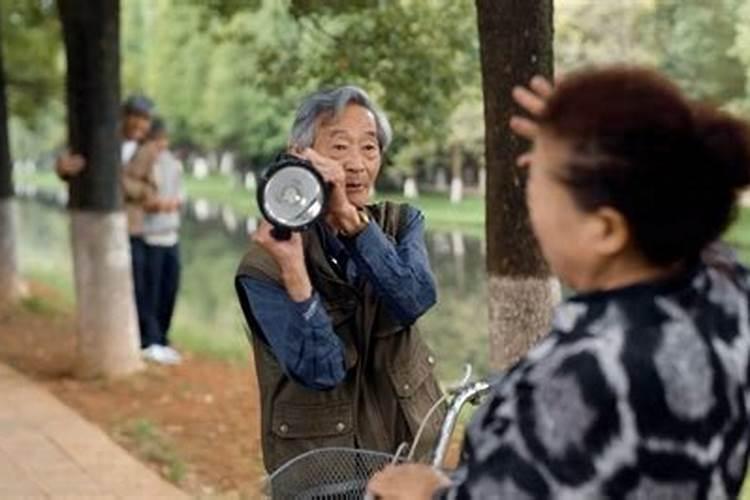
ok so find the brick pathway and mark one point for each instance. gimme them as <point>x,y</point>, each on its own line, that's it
<point>49,451</point>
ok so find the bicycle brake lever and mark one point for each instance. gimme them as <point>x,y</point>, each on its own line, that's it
<point>454,388</point>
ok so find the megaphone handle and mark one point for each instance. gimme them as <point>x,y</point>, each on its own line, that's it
<point>280,233</point>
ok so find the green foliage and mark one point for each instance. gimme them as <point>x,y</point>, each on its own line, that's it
<point>392,51</point>
<point>237,113</point>
<point>33,64</point>
<point>41,132</point>
<point>696,43</point>
<point>301,8</point>
<point>741,50</point>
<point>228,74</point>
<point>224,8</point>
<point>592,33</point>
<point>32,50</point>
<point>136,21</point>
<point>703,45</point>
<point>200,68</point>
<point>177,65</point>
<point>232,81</point>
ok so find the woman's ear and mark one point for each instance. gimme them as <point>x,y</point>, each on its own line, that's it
<point>612,231</point>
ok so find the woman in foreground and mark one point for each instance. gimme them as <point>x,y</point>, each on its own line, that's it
<point>640,390</point>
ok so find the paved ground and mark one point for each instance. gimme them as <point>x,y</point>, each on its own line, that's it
<point>49,451</point>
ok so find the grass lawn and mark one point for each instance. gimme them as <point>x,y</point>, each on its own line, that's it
<point>738,234</point>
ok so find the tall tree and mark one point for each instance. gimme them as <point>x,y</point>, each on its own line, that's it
<point>11,286</point>
<point>107,326</point>
<point>515,44</point>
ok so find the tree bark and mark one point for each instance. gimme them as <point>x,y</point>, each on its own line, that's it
<point>515,43</point>
<point>91,33</point>
<point>11,285</point>
<point>107,324</point>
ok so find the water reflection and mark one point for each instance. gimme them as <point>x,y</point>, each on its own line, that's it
<point>212,240</point>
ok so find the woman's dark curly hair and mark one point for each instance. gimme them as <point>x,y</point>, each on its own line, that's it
<point>673,168</point>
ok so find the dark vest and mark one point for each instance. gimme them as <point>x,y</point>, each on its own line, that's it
<point>389,386</point>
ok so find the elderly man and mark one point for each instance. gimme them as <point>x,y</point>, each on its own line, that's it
<point>332,311</point>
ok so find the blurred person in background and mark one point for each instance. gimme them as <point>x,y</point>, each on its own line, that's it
<point>161,223</point>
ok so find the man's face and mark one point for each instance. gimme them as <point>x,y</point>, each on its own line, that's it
<point>351,139</point>
<point>136,127</point>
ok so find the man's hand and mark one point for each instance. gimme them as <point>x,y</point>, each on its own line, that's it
<point>290,257</point>
<point>406,482</point>
<point>533,99</point>
<point>69,165</point>
<point>343,214</point>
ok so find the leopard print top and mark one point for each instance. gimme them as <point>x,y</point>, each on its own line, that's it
<point>637,393</point>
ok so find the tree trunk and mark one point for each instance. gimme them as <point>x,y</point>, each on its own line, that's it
<point>107,324</point>
<point>411,191</point>
<point>457,181</point>
<point>11,286</point>
<point>515,43</point>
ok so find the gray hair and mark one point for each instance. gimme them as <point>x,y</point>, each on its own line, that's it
<point>332,102</point>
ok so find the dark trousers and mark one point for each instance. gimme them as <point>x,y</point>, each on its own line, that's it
<point>138,256</point>
<point>162,279</point>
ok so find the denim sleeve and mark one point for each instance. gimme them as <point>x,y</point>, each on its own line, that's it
<point>399,271</point>
<point>300,334</point>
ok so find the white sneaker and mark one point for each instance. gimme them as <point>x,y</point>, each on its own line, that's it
<point>169,355</point>
<point>151,353</point>
<point>163,355</point>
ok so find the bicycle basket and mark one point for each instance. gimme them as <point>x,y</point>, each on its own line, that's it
<point>326,474</point>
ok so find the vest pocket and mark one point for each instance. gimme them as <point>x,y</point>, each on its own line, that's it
<point>299,428</point>
<point>417,390</point>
